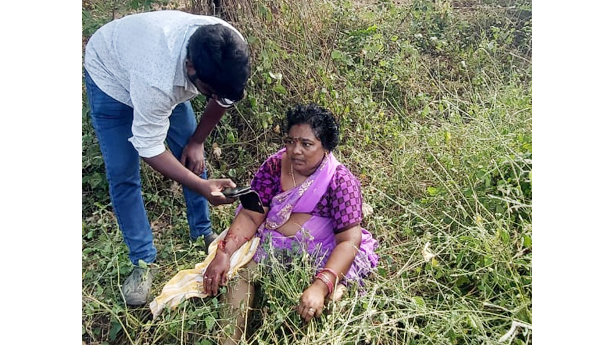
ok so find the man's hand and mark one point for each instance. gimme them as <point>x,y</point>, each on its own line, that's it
<point>167,164</point>
<point>193,153</point>
<point>193,157</point>
<point>213,191</point>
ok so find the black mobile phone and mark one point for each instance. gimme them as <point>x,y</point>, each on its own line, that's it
<point>235,192</point>
<point>249,198</point>
<point>251,201</point>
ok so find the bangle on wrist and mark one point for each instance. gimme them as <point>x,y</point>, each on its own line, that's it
<point>335,275</point>
<point>325,280</point>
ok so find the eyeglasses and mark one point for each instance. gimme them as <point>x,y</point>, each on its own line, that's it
<point>221,101</point>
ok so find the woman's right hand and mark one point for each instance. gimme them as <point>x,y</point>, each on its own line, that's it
<point>216,273</point>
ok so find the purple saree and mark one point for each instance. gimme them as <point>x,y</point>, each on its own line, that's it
<point>316,235</point>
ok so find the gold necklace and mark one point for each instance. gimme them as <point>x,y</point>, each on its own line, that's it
<point>291,173</point>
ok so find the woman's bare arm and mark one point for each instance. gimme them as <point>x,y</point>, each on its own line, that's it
<point>340,261</point>
<point>244,226</point>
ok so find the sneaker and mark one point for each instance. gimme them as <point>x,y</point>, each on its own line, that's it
<point>208,239</point>
<point>137,286</point>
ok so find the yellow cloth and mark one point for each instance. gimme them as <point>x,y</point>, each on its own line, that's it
<point>189,283</point>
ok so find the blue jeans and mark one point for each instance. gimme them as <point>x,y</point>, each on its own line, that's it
<point>112,122</point>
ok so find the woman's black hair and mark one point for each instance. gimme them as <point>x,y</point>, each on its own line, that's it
<point>320,120</point>
<point>221,59</point>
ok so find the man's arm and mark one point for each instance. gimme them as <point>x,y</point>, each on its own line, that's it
<point>152,108</point>
<point>166,164</point>
<point>208,121</point>
<point>193,153</point>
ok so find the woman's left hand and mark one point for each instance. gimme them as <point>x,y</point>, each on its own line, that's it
<point>312,302</point>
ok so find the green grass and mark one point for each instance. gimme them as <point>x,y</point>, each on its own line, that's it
<point>434,100</point>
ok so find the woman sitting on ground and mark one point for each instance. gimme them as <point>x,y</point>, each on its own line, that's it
<point>311,202</point>
<point>305,191</point>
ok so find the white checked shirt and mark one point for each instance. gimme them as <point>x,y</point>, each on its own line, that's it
<point>139,60</point>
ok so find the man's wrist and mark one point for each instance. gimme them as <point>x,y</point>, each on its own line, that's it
<point>196,141</point>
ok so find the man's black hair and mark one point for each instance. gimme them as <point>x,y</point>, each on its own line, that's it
<point>221,59</point>
<point>320,120</point>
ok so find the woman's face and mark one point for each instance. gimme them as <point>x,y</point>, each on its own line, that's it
<point>304,149</point>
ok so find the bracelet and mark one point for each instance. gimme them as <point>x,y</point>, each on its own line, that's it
<point>325,280</point>
<point>325,269</point>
